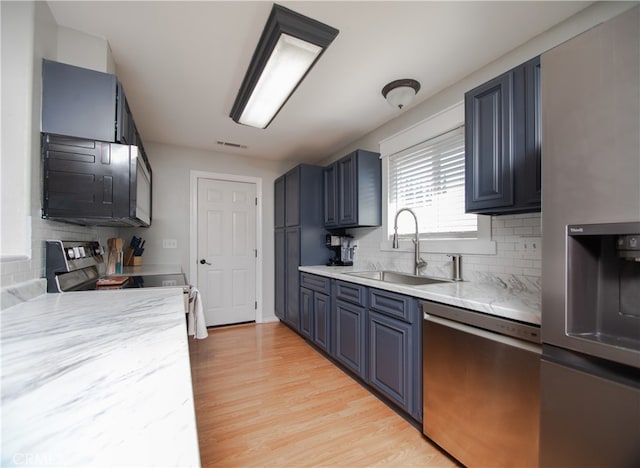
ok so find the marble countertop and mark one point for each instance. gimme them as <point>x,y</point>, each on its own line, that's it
<point>97,378</point>
<point>516,300</point>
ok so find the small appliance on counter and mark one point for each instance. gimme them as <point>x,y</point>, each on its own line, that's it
<point>344,250</point>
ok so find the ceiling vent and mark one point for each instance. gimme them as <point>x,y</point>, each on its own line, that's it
<point>233,145</point>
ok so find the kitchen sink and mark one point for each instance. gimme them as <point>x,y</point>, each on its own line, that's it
<point>398,278</point>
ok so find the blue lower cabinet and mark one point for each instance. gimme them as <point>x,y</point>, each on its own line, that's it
<point>376,334</point>
<point>350,336</point>
<point>315,309</point>
<point>321,320</point>
<point>391,359</point>
<point>306,312</point>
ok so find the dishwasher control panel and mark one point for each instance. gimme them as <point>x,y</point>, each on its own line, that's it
<point>514,329</point>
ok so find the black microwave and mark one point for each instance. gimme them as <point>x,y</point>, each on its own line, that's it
<point>95,183</point>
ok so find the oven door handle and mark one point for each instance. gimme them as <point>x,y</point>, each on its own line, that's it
<point>507,340</point>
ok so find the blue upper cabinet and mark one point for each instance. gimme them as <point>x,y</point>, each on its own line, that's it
<point>502,141</point>
<point>279,201</point>
<point>353,191</point>
<point>83,103</point>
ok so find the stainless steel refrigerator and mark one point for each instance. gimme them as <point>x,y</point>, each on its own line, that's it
<point>590,371</point>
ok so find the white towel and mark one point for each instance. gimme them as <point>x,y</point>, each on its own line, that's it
<point>196,326</point>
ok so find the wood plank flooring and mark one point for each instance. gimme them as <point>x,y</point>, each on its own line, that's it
<point>264,397</point>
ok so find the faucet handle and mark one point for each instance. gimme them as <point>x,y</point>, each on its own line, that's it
<point>456,264</point>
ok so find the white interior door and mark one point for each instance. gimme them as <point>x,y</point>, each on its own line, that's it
<point>226,229</point>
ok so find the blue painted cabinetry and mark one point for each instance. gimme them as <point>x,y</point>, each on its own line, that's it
<point>83,103</point>
<point>315,309</point>
<point>394,349</point>
<point>502,143</point>
<point>353,191</point>
<point>373,333</point>
<point>299,236</point>
<point>350,327</point>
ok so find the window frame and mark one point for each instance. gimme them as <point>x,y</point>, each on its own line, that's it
<point>439,123</point>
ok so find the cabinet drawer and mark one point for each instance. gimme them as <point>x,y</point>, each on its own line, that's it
<point>315,283</point>
<point>392,304</point>
<point>351,292</point>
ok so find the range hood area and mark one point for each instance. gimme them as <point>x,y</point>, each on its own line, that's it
<point>95,169</point>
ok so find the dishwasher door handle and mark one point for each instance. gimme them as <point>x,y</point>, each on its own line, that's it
<point>506,340</point>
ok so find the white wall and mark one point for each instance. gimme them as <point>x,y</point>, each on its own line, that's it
<point>85,51</point>
<point>17,51</point>
<point>31,36</point>
<point>171,166</point>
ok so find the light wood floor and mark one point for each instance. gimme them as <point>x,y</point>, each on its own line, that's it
<point>264,397</point>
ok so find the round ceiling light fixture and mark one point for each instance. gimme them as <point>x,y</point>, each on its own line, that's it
<point>400,93</point>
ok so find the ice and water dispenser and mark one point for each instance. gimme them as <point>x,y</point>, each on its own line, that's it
<point>603,283</point>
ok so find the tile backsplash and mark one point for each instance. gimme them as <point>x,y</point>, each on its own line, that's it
<point>518,257</point>
<point>19,271</point>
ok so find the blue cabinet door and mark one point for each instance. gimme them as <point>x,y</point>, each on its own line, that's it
<point>502,143</point>
<point>330,187</point>
<point>353,191</point>
<point>292,197</point>
<point>306,312</point>
<point>280,279</point>
<point>292,246</point>
<point>350,333</point>
<point>391,358</point>
<point>321,320</point>
<point>279,202</point>
<point>489,144</point>
<point>530,189</point>
<point>348,189</point>
<point>78,102</point>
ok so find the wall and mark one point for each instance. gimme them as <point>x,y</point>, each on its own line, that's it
<point>36,29</point>
<point>172,166</point>
<point>80,49</point>
<point>518,256</point>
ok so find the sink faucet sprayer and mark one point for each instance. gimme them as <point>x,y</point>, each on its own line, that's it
<point>418,262</point>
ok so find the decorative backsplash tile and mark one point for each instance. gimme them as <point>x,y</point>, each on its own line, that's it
<point>517,263</point>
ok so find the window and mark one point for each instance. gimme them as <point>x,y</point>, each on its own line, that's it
<point>429,179</point>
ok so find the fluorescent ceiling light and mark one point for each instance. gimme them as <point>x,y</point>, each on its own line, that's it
<point>288,48</point>
<point>289,62</point>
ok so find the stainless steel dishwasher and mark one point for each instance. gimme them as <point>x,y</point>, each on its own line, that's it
<point>481,385</point>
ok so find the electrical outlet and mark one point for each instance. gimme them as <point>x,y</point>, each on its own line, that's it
<point>169,244</point>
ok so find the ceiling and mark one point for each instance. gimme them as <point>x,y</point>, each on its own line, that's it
<point>182,63</point>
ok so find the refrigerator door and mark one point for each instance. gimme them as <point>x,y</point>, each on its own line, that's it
<point>590,101</point>
<point>589,418</point>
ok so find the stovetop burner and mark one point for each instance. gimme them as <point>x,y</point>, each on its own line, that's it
<point>74,266</point>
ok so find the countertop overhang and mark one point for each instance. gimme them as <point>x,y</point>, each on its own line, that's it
<point>514,300</point>
<point>98,378</point>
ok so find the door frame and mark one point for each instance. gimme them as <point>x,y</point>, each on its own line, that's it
<point>193,226</point>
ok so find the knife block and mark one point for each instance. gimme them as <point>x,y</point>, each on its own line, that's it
<point>128,257</point>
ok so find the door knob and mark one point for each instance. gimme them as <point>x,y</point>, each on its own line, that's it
<point>204,262</point>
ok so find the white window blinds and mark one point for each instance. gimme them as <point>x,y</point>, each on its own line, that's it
<point>429,179</point>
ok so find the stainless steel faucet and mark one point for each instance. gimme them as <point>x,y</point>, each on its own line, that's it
<point>418,261</point>
<point>456,267</point>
